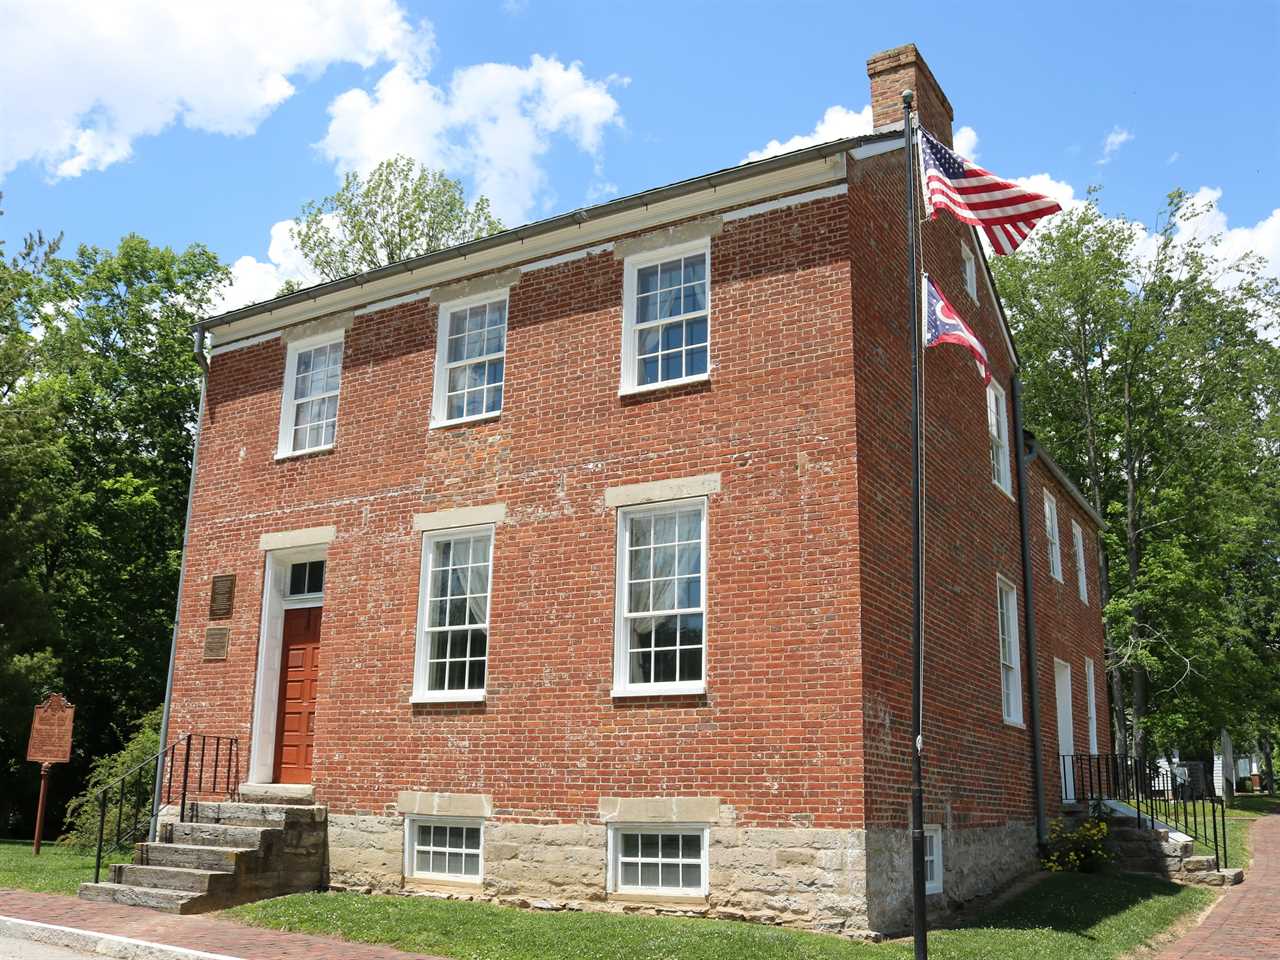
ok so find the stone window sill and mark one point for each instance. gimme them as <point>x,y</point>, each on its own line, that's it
<point>650,900</point>
<point>433,885</point>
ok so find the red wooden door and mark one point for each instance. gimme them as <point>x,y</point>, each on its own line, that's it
<point>299,675</point>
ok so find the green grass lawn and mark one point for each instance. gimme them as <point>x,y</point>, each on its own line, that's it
<point>1066,917</point>
<point>58,869</point>
<point>1251,806</point>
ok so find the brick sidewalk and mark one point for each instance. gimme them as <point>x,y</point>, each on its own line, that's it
<point>1246,921</point>
<point>204,933</point>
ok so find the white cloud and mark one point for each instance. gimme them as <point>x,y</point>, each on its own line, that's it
<point>837,123</point>
<point>1114,140</point>
<point>1174,157</point>
<point>81,81</point>
<point>493,123</point>
<point>253,280</point>
<point>1207,220</point>
<point>966,143</point>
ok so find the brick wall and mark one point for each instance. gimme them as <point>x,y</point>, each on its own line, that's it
<point>777,734</point>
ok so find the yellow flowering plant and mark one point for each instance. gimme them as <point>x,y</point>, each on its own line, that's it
<point>1082,849</point>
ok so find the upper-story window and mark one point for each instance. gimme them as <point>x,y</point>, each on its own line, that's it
<point>453,641</point>
<point>470,359</point>
<point>998,432</point>
<point>1010,656</point>
<point>309,407</point>
<point>661,600</point>
<point>666,317</point>
<point>1051,535</point>
<point>970,271</point>
<point>1082,578</point>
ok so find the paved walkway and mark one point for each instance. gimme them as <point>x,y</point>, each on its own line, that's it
<point>206,934</point>
<point>1246,921</point>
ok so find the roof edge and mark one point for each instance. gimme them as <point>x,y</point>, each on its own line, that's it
<point>743,171</point>
<point>1029,439</point>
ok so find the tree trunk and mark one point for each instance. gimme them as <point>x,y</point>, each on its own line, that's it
<point>1132,524</point>
<point>1139,741</point>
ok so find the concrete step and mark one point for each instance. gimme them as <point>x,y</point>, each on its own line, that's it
<point>223,835</point>
<point>192,880</point>
<point>193,856</point>
<point>166,901</point>
<point>257,814</point>
<point>302,794</point>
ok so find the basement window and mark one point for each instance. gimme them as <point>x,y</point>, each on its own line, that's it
<point>444,849</point>
<point>658,861</point>
<point>932,859</point>
<point>666,317</point>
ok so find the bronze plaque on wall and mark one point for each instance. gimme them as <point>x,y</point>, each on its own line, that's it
<point>216,641</point>
<point>222,597</point>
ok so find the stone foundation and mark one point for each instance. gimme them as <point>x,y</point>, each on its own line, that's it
<point>800,877</point>
<point>976,861</point>
<point>841,881</point>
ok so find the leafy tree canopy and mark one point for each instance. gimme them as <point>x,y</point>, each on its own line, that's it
<point>400,210</point>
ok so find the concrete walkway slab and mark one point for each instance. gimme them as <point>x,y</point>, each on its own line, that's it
<point>130,933</point>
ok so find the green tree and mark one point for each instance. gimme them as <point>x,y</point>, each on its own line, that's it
<point>95,446</point>
<point>1146,375</point>
<point>400,210</point>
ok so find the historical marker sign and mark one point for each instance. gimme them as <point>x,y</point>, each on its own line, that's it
<point>51,731</point>
<point>222,597</point>
<point>216,641</point>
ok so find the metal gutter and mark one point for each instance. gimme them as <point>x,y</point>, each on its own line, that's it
<point>1040,453</point>
<point>577,217</point>
<point>1029,615</point>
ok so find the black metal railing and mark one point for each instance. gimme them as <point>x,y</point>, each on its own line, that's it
<point>196,765</point>
<point>1179,796</point>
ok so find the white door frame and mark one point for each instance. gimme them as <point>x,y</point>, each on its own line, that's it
<point>266,696</point>
<point>1066,725</point>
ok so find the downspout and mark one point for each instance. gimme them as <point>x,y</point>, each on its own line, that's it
<point>1029,616</point>
<point>198,346</point>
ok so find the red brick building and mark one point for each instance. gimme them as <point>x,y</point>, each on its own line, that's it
<point>574,563</point>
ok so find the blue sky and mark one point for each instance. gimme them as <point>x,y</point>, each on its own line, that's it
<point>207,123</point>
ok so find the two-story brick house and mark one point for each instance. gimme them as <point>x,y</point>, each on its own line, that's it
<point>574,563</point>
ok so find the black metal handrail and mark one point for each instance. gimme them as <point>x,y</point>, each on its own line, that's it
<point>216,761</point>
<point>1173,795</point>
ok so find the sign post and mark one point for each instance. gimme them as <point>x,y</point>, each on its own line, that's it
<point>50,743</point>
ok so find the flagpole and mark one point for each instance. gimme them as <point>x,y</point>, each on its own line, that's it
<point>919,921</point>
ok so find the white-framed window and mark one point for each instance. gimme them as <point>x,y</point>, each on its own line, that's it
<point>1051,535</point>
<point>970,271</point>
<point>309,401</point>
<point>932,858</point>
<point>453,615</point>
<point>661,599</point>
<point>658,860</point>
<point>1082,577</point>
<point>666,316</point>
<point>1091,698</point>
<point>1010,655</point>
<point>444,848</point>
<point>306,579</point>
<point>998,433</point>
<point>471,348</point>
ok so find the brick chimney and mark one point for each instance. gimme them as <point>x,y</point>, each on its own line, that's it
<point>902,68</point>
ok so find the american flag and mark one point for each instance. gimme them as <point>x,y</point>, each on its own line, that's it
<point>943,325</point>
<point>1006,212</point>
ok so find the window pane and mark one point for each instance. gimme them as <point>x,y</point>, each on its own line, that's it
<point>670,874</point>
<point>672,366</point>
<point>473,838</point>
<point>298,578</point>
<point>692,876</point>
<point>695,362</point>
<point>695,268</point>
<point>649,875</point>
<point>664,666</point>
<point>631,875</point>
<point>648,371</point>
<point>631,844</point>
<point>672,272</point>
<point>648,845</point>
<point>691,664</point>
<point>647,279</point>
<point>650,337</point>
<point>641,529</point>
<point>670,846</point>
<point>695,331</point>
<point>691,845</point>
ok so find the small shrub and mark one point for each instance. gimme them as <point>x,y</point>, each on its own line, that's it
<point>82,812</point>
<point>1082,850</point>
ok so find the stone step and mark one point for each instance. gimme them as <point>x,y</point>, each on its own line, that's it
<point>257,814</point>
<point>166,901</point>
<point>193,856</point>
<point>223,835</point>
<point>302,794</point>
<point>174,878</point>
<point>1199,864</point>
<point>1228,877</point>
